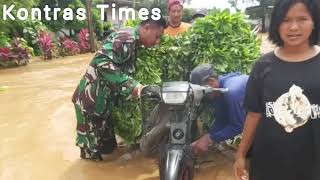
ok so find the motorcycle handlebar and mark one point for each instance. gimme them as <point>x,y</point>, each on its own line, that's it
<point>151,91</point>
<point>154,91</point>
<point>210,90</point>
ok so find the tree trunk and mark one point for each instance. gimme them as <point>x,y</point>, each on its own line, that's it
<point>89,16</point>
<point>263,6</point>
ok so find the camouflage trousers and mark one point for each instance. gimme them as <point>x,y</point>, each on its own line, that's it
<point>95,135</point>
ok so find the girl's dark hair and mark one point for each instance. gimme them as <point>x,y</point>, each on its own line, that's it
<point>280,11</point>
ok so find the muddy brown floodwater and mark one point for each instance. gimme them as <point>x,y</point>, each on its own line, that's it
<point>37,130</point>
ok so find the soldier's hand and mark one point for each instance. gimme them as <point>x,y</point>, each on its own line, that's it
<point>137,90</point>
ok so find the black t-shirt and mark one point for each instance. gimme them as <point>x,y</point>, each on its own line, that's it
<point>286,93</point>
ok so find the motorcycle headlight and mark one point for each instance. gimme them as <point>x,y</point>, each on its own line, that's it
<point>174,97</point>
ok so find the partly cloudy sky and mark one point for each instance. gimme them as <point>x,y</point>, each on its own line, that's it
<point>222,4</point>
<point>209,4</point>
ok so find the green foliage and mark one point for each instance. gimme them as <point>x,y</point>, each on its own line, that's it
<point>128,119</point>
<point>107,25</point>
<point>187,15</point>
<point>206,117</point>
<point>25,45</point>
<point>222,39</point>
<point>97,23</point>
<point>4,40</point>
<point>14,28</point>
<point>55,26</point>
<point>74,24</point>
<point>26,29</point>
<point>149,71</point>
<point>162,4</point>
<point>132,23</point>
<point>30,34</point>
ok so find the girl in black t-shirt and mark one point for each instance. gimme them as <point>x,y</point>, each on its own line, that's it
<point>282,126</point>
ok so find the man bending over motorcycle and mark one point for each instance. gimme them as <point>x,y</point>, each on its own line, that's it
<point>229,112</point>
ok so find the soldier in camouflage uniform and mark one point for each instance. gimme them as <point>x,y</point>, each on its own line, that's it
<point>107,78</point>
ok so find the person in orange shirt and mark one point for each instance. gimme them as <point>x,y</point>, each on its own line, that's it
<point>175,25</point>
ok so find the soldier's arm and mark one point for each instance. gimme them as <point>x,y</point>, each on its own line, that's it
<point>113,75</point>
<point>119,52</point>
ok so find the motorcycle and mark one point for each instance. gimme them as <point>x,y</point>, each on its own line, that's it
<point>182,100</point>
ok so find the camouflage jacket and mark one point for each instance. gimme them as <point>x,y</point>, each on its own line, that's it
<point>108,74</point>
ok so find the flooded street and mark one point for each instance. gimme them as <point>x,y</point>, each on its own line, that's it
<point>37,130</point>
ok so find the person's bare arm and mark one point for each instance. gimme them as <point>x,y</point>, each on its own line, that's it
<point>249,131</point>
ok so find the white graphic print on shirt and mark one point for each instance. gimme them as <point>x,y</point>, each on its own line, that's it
<point>292,109</point>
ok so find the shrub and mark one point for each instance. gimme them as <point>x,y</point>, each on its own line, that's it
<point>46,45</point>
<point>84,40</point>
<point>20,49</point>
<point>16,55</point>
<point>30,34</point>
<point>71,47</point>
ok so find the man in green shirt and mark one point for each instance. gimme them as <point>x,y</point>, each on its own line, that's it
<point>106,79</point>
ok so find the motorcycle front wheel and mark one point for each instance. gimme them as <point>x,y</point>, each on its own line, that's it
<point>186,175</point>
<point>176,163</point>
